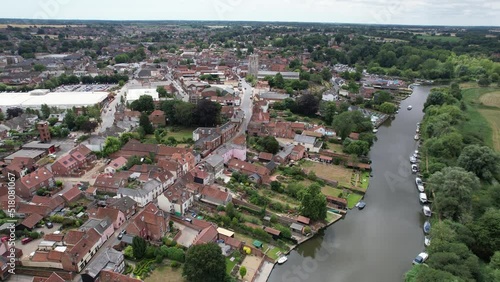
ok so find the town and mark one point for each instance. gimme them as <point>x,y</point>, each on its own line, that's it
<point>128,152</point>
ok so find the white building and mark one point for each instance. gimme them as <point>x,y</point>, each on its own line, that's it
<point>135,94</point>
<point>143,195</point>
<point>175,200</point>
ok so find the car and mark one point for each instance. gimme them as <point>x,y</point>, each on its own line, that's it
<point>426,210</point>
<point>427,227</point>
<point>420,184</point>
<point>120,235</point>
<point>188,219</point>
<point>423,198</point>
<point>49,224</point>
<point>361,205</point>
<point>421,258</point>
<point>414,168</point>
<point>427,241</point>
<point>26,240</point>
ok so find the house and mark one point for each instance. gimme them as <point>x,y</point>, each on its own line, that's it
<point>126,205</point>
<point>111,276</point>
<point>110,260</point>
<point>283,156</point>
<point>201,176</point>
<point>175,200</point>
<point>142,195</point>
<point>30,222</point>
<point>74,163</point>
<point>207,235</point>
<point>150,224</point>
<point>20,166</point>
<point>265,157</point>
<point>215,165</point>
<point>115,165</point>
<point>110,184</point>
<point>72,195</point>
<point>325,159</point>
<point>309,142</point>
<point>273,232</point>
<point>215,196</point>
<point>27,186</point>
<point>157,118</point>
<point>296,227</point>
<point>298,153</point>
<point>81,247</point>
<point>117,216</point>
<point>103,226</point>
<point>247,168</point>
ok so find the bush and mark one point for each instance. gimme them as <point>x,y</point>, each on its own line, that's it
<point>176,254</point>
<point>175,264</point>
<point>159,258</point>
<point>150,252</point>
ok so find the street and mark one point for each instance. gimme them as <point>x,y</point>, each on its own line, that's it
<point>108,117</point>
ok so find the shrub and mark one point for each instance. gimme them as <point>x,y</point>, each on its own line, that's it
<point>159,258</point>
<point>175,264</point>
<point>176,254</point>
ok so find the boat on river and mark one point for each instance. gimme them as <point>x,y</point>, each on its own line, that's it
<point>416,137</point>
<point>282,260</point>
<point>409,108</point>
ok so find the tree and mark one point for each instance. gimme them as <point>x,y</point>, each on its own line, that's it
<point>143,104</point>
<point>69,119</point>
<point>161,91</point>
<point>45,109</point>
<point>481,160</point>
<point>139,246</point>
<point>39,67</point>
<point>326,74</point>
<point>122,58</point>
<point>484,81</point>
<point>207,113</point>
<point>243,272</point>
<point>278,81</point>
<point>388,108</point>
<point>356,147</point>
<point>313,203</point>
<point>14,112</point>
<point>205,263</point>
<point>128,252</point>
<point>381,97</point>
<point>327,111</point>
<point>452,188</point>
<point>230,211</point>
<point>435,98</point>
<point>307,104</point>
<point>486,231</point>
<point>145,123</point>
<point>269,144</point>
<point>111,145</point>
<point>455,91</point>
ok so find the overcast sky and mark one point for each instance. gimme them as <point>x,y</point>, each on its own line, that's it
<point>425,12</point>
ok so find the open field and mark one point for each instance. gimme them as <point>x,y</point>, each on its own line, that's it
<point>165,273</point>
<point>441,38</point>
<point>482,120</point>
<point>491,99</point>
<point>493,118</point>
<point>332,172</point>
<point>329,191</point>
<point>337,148</point>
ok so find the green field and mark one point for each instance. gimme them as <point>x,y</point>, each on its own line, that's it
<point>482,120</point>
<point>440,38</point>
<point>353,199</point>
<point>180,133</point>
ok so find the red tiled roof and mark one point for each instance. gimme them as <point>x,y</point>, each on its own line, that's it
<point>54,278</point>
<point>32,220</point>
<point>265,156</point>
<point>207,235</point>
<point>73,237</point>
<point>71,194</point>
<point>215,193</point>
<point>35,178</point>
<point>272,231</point>
<point>303,219</point>
<point>110,276</point>
<point>53,237</point>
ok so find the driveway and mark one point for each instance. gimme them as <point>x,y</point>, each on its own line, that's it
<point>187,235</point>
<point>33,245</point>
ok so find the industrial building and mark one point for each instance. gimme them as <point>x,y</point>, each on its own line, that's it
<point>63,100</point>
<point>134,94</point>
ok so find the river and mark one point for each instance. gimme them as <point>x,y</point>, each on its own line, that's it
<point>379,242</point>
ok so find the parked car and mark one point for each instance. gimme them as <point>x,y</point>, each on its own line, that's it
<point>422,197</point>
<point>414,168</point>
<point>421,258</point>
<point>361,205</point>
<point>427,241</point>
<point>26,240</point>
<point>188,219</point>
<point>49,224</point>
<point>427,210</point>
<point>427,227</point>
<point>120,236</point>
<point>420,184</point>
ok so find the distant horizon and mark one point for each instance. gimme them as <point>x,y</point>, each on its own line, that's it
<point>382,12</point>
<point>41,21</point>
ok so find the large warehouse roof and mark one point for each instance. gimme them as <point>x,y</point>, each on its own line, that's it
<point>52,99</point>
<point>134,94</point>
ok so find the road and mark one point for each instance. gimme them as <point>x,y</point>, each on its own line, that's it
<point>182,94</point>
<point>246,104</point>
<point>108,117</point>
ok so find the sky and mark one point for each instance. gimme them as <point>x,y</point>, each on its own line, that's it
<point>412,12</point>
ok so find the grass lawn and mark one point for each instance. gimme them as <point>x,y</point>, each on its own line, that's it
<point>330,191</point>
<point>491,99</point>
<point>230,264</point>
<point>180,133</point>
<point>334,147</point>
<point>493,118</point>
<point>332,172</point>
<point>353,199</point>
<point>165,273</point>
<point>365,180</point>
<point>273,251</point>
<point>440,38</point>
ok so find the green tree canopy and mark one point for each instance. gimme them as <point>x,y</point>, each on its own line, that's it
<point>144,104</point>
<point>313,203</point>
<point>139,246</point>
<point>481,160</point>
<point>146,124</point>
<point>388,108</point>
<point>205,263</point>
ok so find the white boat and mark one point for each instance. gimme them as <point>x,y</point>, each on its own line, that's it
<point>375,130</point>
<point>416,137</point>
<point>282,260</point>
<point>409,107</point>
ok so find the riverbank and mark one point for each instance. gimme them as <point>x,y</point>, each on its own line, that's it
<point>387,231</point>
